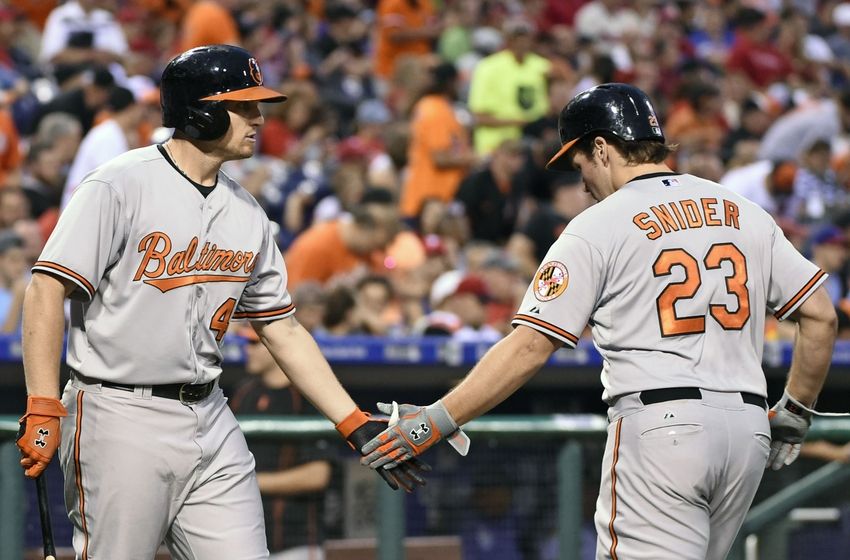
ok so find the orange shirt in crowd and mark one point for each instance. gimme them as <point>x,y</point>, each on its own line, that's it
<point>392,15</point>
<point>36,10</point>
<point>10,153</point>
<point>695,131</point>
<point>207,23</point>
<point>319,254</point>
<point>434,127</point>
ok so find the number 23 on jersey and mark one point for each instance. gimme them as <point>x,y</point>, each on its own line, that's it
<point>736,284</point>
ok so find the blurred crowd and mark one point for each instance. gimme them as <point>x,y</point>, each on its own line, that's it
<point>405,174</point>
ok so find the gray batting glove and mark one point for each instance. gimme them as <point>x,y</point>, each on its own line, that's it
<point>412,429</point>
<point>789,423</point>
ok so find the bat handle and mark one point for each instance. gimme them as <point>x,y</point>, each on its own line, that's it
<point>44,513</point>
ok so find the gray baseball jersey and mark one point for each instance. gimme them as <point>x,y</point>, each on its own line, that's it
<point>160,271</point>
<point>675,275</point>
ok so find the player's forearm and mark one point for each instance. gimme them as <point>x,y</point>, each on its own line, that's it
<point>309,477</point>
<point>43,332</point>
<point>502,370</point>
<point>297,353</point>
<point>812,348</point>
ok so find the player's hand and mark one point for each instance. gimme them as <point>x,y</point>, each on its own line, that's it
<point>38,434</point>
<point>359,427</point>
<point>789,423</point>
<point>412,429</point>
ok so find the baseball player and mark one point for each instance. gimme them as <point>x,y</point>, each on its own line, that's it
<point>674,274</point>
<point>158,251</point>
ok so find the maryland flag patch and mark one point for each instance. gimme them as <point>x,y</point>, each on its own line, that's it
<point>551,281</point>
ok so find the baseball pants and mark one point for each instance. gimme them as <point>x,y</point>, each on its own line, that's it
<point>678,477</point>
<point>142,470</point>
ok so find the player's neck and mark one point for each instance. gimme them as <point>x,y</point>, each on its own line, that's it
<point>626,173</point>
<point>198,165</point>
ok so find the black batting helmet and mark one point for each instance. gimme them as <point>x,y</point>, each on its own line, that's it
<point>196,82</point>
<point>621,109</point>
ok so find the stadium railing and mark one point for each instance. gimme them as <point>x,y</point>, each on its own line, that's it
<point>569,430</point>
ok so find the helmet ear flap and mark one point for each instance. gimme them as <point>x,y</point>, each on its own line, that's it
<point>206,121</point>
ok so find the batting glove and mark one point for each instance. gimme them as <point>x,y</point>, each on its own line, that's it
<point>789,423</point>
<point>359,427</point>
<point>38,433</point>
<point>412,430</point>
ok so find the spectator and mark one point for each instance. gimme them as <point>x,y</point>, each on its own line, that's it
<point>753,122</point>
<point>79,34</point>
<point>43,179</point>
<point>376,312</point>
<point>491,197</point>
<point>82,102</point>
<point>606,19</point>
<point>343,68</point>
<point>14,277</point>
<point>797,130</point>
<point>344,245</point>
<point>294,477</point>
<point>508,89</point>
<point>506,285</point>
<point>458,309</point>
<point>348,184</point>
<point>712,37</point>
<point>440,153</point>
<point>839,41</point>
<point>208,22</point>
<point>768,184</point>
<point>529,244</point>
<point>829,252</point>
<point>404,27</point>
<point>311,298</point>
<point>340,317</point>
<point>817,195</point>
<point>367,144</point>
<point>64,132</point>
<point>753,55</point>
<point>10,154</point>
<point>14,207</point>
<point>696,122</point>
<point>112,137</point>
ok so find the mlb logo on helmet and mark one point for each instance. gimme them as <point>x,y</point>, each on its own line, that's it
<point>653,122</point>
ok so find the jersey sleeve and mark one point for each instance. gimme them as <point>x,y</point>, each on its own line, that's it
<point>265,297</point>
<point>88,238</point>
<point>793,278</point>
<point>565,290</point>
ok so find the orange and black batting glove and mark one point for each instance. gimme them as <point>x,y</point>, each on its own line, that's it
<point>412,429</point>
<point>359,427</point>
<point>38,434</point>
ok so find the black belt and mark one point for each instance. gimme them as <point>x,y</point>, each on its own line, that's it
<point>187,393</point>
<point>678,393</point>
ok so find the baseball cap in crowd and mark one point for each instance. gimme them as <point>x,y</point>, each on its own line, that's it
<point>517,26</point>
<point>456,282</point>
<point>841,15</point>
<point>829,235</point>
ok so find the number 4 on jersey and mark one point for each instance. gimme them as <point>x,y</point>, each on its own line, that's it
<point>221,318</point>
<point>736,284</point>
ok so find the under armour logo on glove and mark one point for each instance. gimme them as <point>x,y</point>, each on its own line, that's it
<point>423,429</point>
<point>42,433</point>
